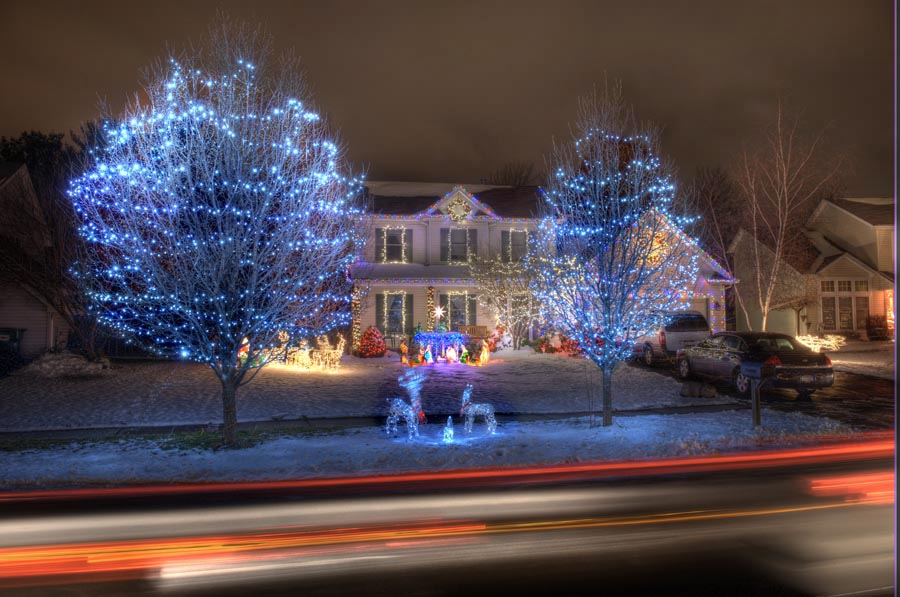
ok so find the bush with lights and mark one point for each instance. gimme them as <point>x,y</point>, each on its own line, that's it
<point>371,344</point>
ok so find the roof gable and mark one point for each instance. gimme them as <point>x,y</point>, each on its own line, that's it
<point>873,214</point>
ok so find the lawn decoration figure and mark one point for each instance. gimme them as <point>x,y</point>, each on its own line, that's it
<point>448,431</point>
<point>401,410</point>
<point>411,381</point>
<point>470,410</point>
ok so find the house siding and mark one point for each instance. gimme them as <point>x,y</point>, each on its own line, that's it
<point>44,329</point>
<point>885,241</point>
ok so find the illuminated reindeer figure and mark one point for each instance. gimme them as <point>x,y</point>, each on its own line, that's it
<point>470,411</point>
<point>412,413</point>
<point>401,410</point>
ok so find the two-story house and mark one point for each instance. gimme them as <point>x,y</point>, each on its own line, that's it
<point>856,243</point>
<point>421,237</point>
<point>851,263</point>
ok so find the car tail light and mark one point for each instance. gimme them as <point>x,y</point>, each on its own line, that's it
<point>662,339</point>
<point>773,361</point>
<point>827,361</point>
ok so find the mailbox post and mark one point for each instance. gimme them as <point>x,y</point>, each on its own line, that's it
<point>759,375</point>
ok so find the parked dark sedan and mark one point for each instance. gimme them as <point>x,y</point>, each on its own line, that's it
<point>720,357</point>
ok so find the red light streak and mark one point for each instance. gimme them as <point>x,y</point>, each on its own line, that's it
<point>871,488</point>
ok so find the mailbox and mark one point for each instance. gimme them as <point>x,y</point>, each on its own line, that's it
<point>759,374</point>
<point>758,371</point>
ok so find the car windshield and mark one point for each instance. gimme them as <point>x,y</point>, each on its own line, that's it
<point>774,344</point>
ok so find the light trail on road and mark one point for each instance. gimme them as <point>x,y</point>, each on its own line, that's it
<point>802,504</point>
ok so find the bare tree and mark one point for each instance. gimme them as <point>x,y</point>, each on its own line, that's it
<point>517,173</point>
<point>721,209</point>
<point>219,214</point>
<point>781,182</point>
<point>610,258</point>
<point>505,288</point>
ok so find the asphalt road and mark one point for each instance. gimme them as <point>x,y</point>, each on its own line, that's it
<point>813,521</point>
<point>859,400</point>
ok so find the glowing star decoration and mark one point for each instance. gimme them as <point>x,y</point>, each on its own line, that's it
<point>448,431</point>
<point>438,313</point>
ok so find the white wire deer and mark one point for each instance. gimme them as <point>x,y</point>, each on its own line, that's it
<point>411,413</point>
<point>470,410</point>
<point>399,409</point>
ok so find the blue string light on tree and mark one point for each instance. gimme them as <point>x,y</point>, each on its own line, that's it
<point>610,258</point>
<point>218,213</point>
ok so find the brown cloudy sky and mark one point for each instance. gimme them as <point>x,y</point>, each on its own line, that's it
<point>449,90</point>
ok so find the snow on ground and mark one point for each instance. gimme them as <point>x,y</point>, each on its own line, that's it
<point>367,450</point>
<point>865,358</point>
<point>176,393</point>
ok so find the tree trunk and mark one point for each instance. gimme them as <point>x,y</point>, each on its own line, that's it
<point>607,397</point>
<point>765,315</point>
<point>229,412</point>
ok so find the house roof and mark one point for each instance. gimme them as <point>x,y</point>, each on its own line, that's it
<point>876,214</point>
<point>407,199</point>
<point>7,169</point>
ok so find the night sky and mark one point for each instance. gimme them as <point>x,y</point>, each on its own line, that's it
<point>449,90</point>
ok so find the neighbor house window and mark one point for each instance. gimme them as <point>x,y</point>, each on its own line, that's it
<point>828,313</point>
<point>514,244</point>
<point>845,304</point>
<point>393,245</point>
<point>845,312</point>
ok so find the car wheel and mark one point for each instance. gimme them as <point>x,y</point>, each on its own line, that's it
<point>804,395</point>
<point>742,384</point>
<point>648,356</point>
<point>684,368</point>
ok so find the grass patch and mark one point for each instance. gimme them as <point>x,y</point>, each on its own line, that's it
<point>203,439</point>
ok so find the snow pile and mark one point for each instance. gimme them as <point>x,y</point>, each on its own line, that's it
<point>65,364</point>
<point>367,450</point>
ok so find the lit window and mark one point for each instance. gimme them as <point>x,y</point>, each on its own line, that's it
<point>862,286</point>
<point>827,285</point>
<point>844,286</point>
<point>459,245</point>
<point>515,244</point>
<point>393,245</point>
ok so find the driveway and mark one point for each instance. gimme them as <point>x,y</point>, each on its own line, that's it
<point>860,400</point>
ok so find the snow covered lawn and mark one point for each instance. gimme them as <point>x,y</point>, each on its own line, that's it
<point>167,393</point>
<point>366,450</point>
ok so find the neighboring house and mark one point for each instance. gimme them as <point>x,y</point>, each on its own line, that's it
<point>851,262</point>
<point>421,237</point>
<point>22,227</point>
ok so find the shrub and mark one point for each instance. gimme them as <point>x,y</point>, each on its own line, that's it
<point>9,361</point>
<point>876,327</point>
<point>372,343</point>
